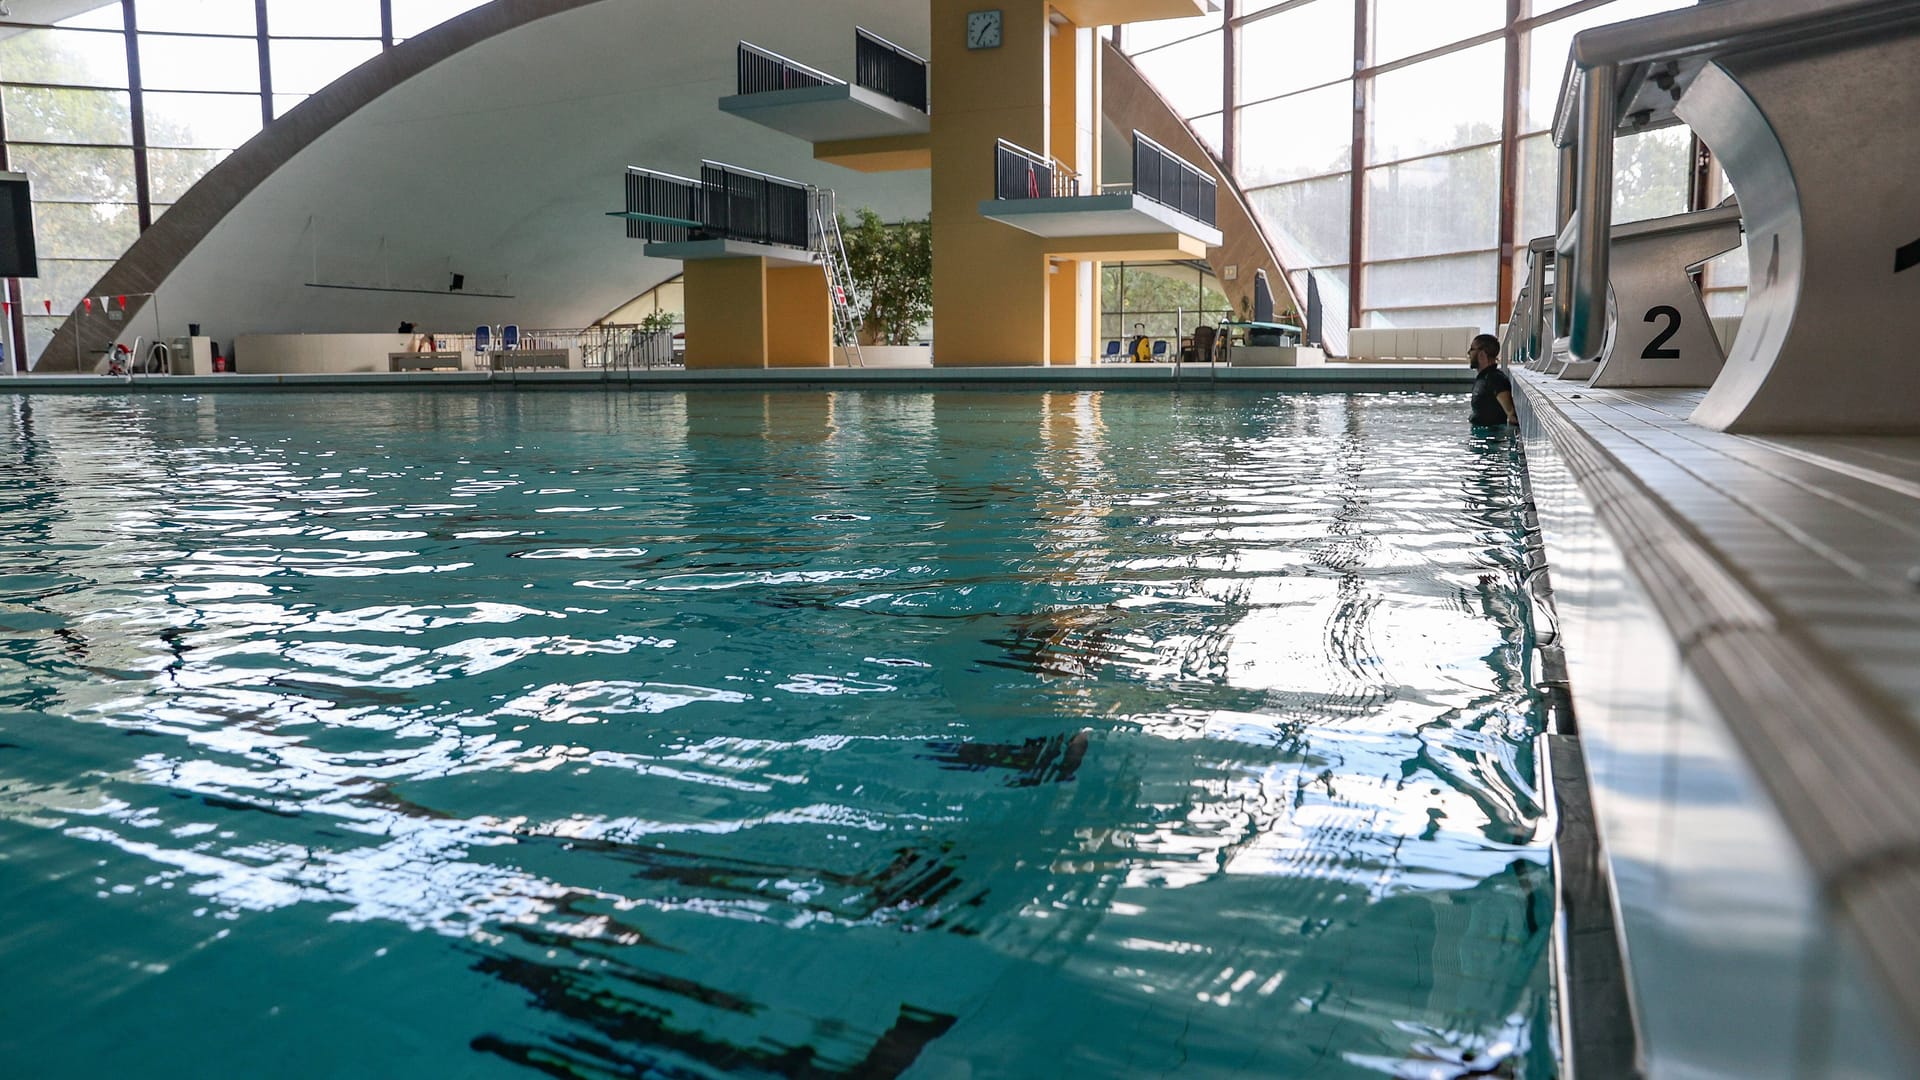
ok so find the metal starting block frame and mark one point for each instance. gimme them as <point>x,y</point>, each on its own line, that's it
<point>1658,332</point>
<point>1810,107</point>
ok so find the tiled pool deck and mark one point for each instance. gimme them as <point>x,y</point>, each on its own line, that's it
<point>1742,631</point>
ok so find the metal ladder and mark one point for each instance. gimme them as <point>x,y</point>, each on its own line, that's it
<point>832,250</point>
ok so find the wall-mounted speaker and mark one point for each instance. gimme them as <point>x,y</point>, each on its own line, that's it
<point>459,282</point>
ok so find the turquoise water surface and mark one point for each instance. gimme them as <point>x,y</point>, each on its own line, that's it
<point>737,733</point>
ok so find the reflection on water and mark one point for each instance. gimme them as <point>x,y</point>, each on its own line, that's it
<point>791,733</point>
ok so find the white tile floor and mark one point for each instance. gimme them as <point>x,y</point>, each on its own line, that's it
<point>1824,529</point>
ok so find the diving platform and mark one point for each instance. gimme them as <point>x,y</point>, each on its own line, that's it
<point>766,275</point>
<point>876,123</point>
<point>1167,212</point>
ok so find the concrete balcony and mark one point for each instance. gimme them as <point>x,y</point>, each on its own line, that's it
<point>830,112</point>
<point>703,250</point>
<point>1110,226</point>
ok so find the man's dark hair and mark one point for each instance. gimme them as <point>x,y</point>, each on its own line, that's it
<point>1486,343</point>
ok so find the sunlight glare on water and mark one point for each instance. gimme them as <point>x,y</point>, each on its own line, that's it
<point>735,733</point>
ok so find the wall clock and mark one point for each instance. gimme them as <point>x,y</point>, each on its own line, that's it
<point>983,30</point>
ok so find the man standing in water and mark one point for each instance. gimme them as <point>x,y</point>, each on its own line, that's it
<point>1492,390</point>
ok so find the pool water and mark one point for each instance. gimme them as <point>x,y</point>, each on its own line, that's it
<point>739,733</point>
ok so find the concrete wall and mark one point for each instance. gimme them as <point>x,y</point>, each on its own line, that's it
<point>290,354</point>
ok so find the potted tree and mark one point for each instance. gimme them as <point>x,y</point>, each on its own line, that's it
<point>892,269</point>
<point>655,345</point>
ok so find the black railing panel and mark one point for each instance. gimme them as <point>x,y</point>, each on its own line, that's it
<point>741,204</point>
<point>665,196</point>
<point>1021,174</point>
<point>1171,180</point>
<point>726,203</point>
<point>889,70</point>
<point>762,71</point>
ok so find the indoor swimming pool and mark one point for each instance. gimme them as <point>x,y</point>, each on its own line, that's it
<point>968,733</point>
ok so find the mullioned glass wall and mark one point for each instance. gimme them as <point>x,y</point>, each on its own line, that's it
<point>1424,122</point>
<point>1397,150</point>
<point>114,112</point>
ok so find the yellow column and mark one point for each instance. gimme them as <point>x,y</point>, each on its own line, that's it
<point>726,313</point>
<point>799,318</point>
<point>991,295</point>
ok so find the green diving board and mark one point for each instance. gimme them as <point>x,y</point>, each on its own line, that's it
<point>657,219</point>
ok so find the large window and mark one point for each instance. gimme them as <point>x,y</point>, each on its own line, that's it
<point>1188,73</point>
<point>67,99</point>
<point>1163,301</point>
<point>1437,200</point>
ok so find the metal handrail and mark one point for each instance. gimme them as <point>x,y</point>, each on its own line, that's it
<point>1608,66</point>
<point>761,71</point>
<point>1020,173</point>
<point>1539,254</point>
<point>887,69</point>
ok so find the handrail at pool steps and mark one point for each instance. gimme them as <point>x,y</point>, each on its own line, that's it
<point>727,202</point>
<point>1020,173</point>
<point>1171,180</point>
<point>762,71</point>
<point>889,70</point>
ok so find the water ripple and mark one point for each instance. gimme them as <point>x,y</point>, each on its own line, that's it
<point>721,732</point>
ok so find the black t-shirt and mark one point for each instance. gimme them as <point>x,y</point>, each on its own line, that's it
<point>1488,384</point>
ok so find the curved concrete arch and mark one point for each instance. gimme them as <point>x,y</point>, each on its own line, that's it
<point>490,146</point>
<point>160,249</point>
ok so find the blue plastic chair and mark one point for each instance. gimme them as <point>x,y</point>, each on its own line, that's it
<point>482,339</point>
<point>1160,349</point>
<point>510,337</point>
<point>1113,350</point>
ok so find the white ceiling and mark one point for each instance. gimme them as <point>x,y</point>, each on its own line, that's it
<point>501,163</point>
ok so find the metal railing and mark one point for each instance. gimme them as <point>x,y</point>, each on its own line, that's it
<point>1020,173</point>
<point>762,71</point>
<point>1171,180</point>
<point>665,198</point>
<point>608,345</point>
<point>744,204</point>
<point>627,346</point>
<point>726,203</point>
<point>889,70</point>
